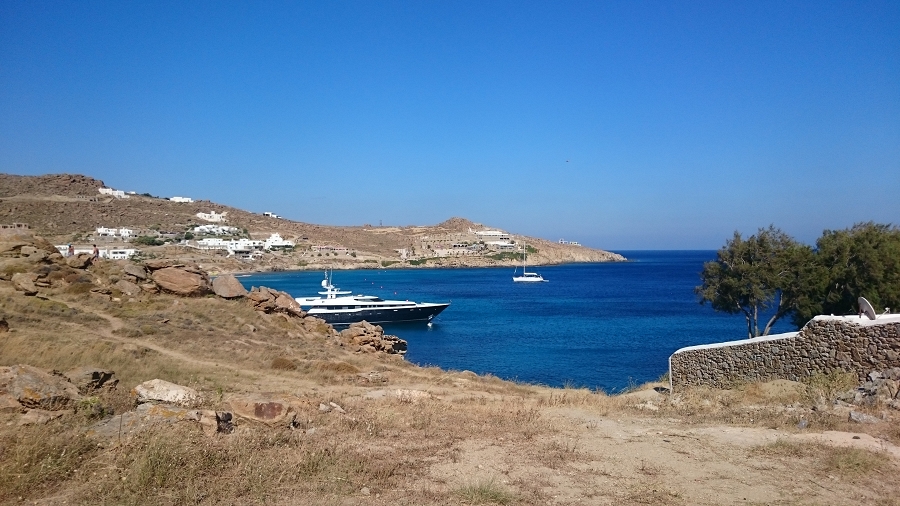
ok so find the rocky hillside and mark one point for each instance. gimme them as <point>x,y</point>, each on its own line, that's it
<point>60,206</point>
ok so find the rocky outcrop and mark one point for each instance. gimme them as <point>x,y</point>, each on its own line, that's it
<point>158,390</point>
<point>31,387</point>
<point>181,280</point>
<point>261,408</point>
<point>24,282</point>
<point>148,416</point>
<point>91,379</point>
<point>132,269</point>
<point>228,287</point>
<point>80,261</point>
<point>273,301</point>
<point>154,265</point>
<point>127,287</point>
<point>367,338</point>
<point>880,387</point>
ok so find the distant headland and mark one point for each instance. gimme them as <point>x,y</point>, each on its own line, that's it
<point>83,211</point>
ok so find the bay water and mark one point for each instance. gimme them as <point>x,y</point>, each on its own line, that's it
<point>602,326</point>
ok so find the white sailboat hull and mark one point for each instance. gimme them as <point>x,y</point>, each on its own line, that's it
<point>529,277</point>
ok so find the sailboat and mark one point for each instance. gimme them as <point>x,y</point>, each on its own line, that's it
<point>527,277</point>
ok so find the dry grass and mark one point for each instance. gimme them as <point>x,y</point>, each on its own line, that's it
<point>37,461</point>
<point>846,463</point>
<point>403,448</point>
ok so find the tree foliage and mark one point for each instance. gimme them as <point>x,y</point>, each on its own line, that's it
<point>863,260</point>
<point>766,272</point>
<point>770,273</point>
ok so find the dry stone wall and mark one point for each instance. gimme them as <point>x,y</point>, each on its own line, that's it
<point>824,345</point>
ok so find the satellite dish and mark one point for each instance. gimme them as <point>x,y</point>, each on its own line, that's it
<point>865,307</point>
<point>324,283</point>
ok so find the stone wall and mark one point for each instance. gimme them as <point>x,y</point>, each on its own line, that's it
<point>825,344</point>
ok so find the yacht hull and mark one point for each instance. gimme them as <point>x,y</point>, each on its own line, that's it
<point>421,312</point>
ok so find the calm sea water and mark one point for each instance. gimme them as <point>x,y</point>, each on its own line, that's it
<point>592,325</point>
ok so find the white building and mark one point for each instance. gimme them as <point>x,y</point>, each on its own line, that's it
<point>181,199</point>
<point>500,245</point>
<point>119,194</point>
<point>212,216</point>
<point>232,246</point>
<point>570,243</point>
<point>275,241</point>
<point>113,232</point>
<point>271,215</point>
<point>109,254</point>
<point>493,235</point>
<point>215,229</point>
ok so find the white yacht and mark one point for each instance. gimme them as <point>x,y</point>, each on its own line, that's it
<point>527,277</point>
<point>341,307</point>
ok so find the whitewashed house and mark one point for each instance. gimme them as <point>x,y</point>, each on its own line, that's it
<point>119,194</point>
<point>109,254</point>
<point>186,200</point>
<point>212,216</point>
<point>275,242</point>
<point>215,229</point>
<point>106,232</point>
<point>125,233</point>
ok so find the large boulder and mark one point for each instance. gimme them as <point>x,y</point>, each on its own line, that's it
<point>89,379</point>
<point>161,264</point>
<point>268,300</point>
<point>287,304</point>
<point>162,391</point>
<point>80,261</point>
<point>127,287</point>
<point>133,269</point>
<point>367,338</point>
<point>24,282</point>
<point>270,410</point>
<point>34,388</point>
<point>45,245</point>
<point>227,286</point>
<point>147,416</point>
<point>181,282</point>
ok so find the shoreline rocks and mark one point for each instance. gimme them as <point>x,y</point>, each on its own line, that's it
<point>368,338</point>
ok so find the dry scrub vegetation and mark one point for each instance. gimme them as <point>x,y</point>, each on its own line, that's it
<point>409,435</point>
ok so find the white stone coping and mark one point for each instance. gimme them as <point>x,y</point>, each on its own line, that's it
<point>863,320</point>
<point>761,339</point>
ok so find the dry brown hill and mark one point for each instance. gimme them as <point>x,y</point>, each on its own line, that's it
<point>61,205</point>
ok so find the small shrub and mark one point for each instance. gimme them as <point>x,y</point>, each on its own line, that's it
<point>826,387</point>
<point>484,492</point>
<point>92,408</point>
<point>283,364</point>
<point>79,287</point>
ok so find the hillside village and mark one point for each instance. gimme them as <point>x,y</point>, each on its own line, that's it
<point>81,211</point>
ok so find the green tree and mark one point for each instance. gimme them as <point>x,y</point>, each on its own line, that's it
<point>766,272</point>
<point>863,260</point>
<point>147,241</point>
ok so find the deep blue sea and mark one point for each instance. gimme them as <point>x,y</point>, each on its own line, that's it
<point>602,326</point>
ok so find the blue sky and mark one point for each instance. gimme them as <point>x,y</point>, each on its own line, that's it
<point>623,125</point>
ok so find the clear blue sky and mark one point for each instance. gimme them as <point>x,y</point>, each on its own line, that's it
<point>624,125</point>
